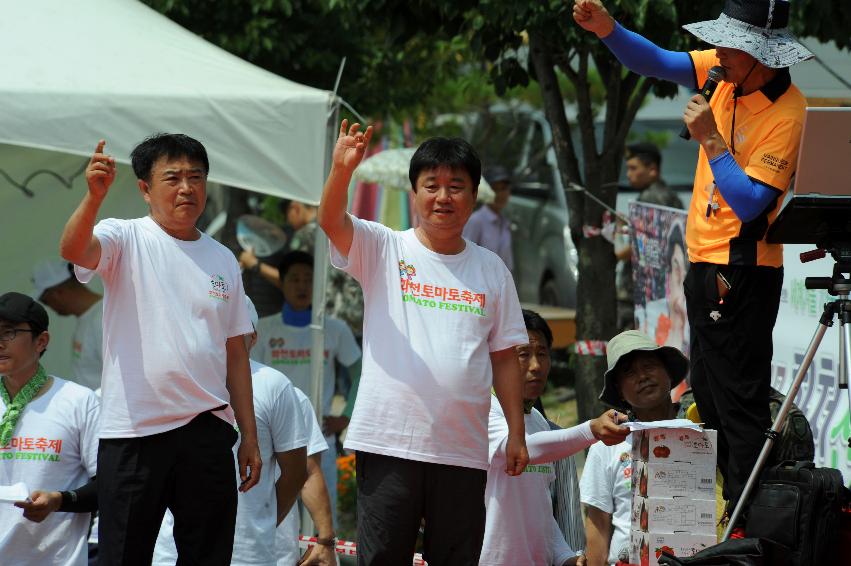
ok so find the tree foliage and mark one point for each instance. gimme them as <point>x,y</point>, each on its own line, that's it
<point>392,60</point>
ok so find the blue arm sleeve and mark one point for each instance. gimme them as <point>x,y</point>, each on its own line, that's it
<point>747,198</point>
<point>642,56</point>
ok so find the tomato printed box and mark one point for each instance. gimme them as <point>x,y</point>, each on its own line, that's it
<point>646,548</point>
<point>673,514</point>
<point>673,479</point>
<point>661,445</point>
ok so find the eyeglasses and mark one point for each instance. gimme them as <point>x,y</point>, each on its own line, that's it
<point>10,334</point>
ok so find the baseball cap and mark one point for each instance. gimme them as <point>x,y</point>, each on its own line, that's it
<point>17,307</point>
<point>49,273</point>
<point>496,174</point>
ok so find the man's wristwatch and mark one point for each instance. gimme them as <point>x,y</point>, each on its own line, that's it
<point>256,267</point>
<point>330,541</point>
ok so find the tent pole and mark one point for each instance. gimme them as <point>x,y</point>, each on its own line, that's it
<point>317,322</point>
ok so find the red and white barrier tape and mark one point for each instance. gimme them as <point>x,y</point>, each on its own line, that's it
<point>590,347</point>
<point>348,548</point>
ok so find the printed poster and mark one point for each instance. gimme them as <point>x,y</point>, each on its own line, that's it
<point>659,265</point>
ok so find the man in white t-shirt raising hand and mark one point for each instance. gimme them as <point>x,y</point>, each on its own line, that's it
<point>441,321</point>
<point>175,368</point>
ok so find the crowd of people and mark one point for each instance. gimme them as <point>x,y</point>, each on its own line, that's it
<point>187,427</point>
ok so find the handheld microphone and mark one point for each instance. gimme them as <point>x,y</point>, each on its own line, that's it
<point>716,75</point>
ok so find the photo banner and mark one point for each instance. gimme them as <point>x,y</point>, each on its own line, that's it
<point>659,265</point>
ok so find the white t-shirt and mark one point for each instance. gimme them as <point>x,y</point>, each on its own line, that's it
<point>86,347</point>
<point>54,448</point>
<point>168,309</point>
<point>520,527</point>
<point>430,323</point>
<point>280,428</point>
<point>606,484</point>
<point>287,349</point>
<point>287,535</point>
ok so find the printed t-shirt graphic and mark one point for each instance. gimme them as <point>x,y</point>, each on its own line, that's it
<point>54,448</point>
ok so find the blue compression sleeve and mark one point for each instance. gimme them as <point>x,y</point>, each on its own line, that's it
<point>642,56</point>
<point>747,198</point>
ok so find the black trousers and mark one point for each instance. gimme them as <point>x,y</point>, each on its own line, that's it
<point>189,470</point>
<point>395,495</point>
<point>731,349</point>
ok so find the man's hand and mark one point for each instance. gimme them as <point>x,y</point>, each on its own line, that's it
<point>247,259</point>
<point>250,464</point>
<point>40,505</point>
<point>516,455</point>
<point>350,147</point>
<point>592,16</point>
<point>607,428</point>
<point>100,172</point>
<point>334,425</point>
<point>318,555</point>
<point>700,121</point>
<point>576,561</point>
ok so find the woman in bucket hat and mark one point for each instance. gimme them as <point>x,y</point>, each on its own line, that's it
<point>748,134</point>
<point>639,380</point>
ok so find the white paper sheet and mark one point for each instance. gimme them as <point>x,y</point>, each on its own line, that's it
<point>12,493</point>
<point>671,423</point>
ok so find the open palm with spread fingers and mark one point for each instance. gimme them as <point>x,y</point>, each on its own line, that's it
<point>100,172</point>
<point>351,146</point>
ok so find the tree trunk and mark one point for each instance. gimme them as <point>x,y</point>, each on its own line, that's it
<point>596,311</point>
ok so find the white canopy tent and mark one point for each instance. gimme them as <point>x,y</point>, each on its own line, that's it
<point>75,72</point>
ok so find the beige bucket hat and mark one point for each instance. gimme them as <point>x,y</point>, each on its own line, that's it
<point>624,344</point>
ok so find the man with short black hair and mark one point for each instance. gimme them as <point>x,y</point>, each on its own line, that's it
<point>488,226</point>
<point>528,532</point>
<point>176,370</point>
<point>285,344</point>
<point>644,172</point>
<point>48,442</point>
<point>442,319</point>
<point>56,287</point>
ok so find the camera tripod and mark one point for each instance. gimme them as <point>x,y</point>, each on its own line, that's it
<point>838,285</point>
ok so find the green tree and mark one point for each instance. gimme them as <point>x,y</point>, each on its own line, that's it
<point>392,61</point>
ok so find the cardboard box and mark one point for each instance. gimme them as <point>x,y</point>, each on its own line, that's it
<point>645,548</point>
<point>663,445</point>
<point>673,514</point>
<point>673,479</point>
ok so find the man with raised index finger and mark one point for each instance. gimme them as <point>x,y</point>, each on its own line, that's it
<point>175,369</point>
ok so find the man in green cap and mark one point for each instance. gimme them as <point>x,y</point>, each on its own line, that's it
<point>48,440</point>
<point>639,380</point>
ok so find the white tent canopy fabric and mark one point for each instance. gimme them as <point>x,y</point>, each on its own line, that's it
<point>75,72</point>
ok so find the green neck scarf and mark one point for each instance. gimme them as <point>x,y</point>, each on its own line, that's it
<point>16,407</point>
